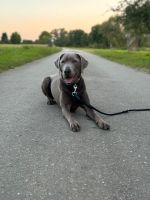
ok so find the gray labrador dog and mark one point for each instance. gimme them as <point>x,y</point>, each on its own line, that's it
<point>59,88</point>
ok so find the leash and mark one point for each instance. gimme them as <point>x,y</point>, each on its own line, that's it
<point>77,98</point>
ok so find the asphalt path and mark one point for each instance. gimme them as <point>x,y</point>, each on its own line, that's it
<point>40,158</point>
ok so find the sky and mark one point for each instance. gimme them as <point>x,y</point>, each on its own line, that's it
<point>31,17</point>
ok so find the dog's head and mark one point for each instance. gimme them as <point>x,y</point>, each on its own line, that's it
<point>71,66</point>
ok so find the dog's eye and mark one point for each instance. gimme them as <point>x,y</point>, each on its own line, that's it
<point>74,61</point>
<point>62,61</point>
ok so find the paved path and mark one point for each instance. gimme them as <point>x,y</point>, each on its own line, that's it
<point>40,158</point>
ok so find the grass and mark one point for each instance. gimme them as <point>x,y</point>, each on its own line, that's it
<point>137,59</point>
<point>15,55</point>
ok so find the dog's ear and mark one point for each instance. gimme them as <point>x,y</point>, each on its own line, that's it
<point>84,62</point>
<point>57,62</point>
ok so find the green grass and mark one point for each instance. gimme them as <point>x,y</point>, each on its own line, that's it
<point>15,55</point>
<point>137,59</point>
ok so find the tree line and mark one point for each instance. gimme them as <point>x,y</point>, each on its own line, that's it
<point>131,28</point>
<point>105,35</point>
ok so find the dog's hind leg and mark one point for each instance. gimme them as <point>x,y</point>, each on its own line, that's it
<point>46,88</point>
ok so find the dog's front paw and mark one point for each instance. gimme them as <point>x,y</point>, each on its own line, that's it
<point>74,125</point>
<point>103,125</point>
<point>51,102</point>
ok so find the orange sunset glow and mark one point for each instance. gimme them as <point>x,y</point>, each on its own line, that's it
<point>30,18</point>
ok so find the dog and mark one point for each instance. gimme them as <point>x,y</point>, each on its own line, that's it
<point>59,88</point>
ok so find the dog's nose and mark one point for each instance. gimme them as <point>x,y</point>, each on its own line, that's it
<point>67,71</point>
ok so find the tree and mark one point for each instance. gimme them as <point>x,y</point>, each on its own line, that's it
<point>15,38</point>
<point>137,13</point>
<point>45,38</point>
<point>4,38</point>
<point>60,37</point>
<point>114,32</point>
<point>135,18</point>
<point>78,38</point>
<point>97,37</point>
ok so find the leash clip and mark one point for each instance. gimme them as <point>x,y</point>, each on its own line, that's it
<point>74,93</point>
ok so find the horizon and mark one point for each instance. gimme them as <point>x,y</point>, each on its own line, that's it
<point>30,19</point>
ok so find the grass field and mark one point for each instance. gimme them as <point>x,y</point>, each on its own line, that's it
<point>137,59</point>
<point>15,55</point>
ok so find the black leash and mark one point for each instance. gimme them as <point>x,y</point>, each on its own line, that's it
<point>76,97</point>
